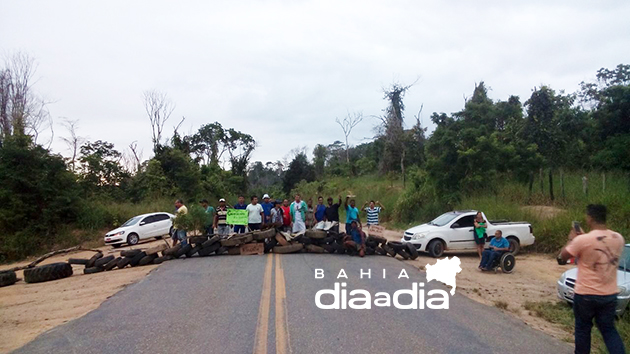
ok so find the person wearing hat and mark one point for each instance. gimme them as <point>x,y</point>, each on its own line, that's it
<point>209,214</point>
<point>267,206</point>
<point>220,219</point>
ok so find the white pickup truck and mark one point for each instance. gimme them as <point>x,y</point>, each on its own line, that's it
<point>454,231</point>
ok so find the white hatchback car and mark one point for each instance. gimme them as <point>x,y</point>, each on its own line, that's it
<point>139,228</point>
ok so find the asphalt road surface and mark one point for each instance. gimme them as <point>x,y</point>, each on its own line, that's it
<point>266,304</point>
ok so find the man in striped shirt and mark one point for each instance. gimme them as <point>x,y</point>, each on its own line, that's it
<point>220,219</point>
<point>373,211</point>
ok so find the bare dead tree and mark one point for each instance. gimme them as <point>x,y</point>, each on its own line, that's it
<point>73,142</point>
<point>347,124</point>
<point>137,154</point>
<point>21,110</point>
<point>159,109</point>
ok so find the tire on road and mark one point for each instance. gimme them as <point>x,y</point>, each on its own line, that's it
<point>81,261</point>
<point>183,250</point>
<point>130,253</point>
<point>436,248</point>
<point>113,263</point>
<point>137,258</point>
<point>316,234</point>
<point>91,261</point>
<point>221,250</point>
<point>197,239</point>
<point>377,239</point>
<point>379,250</point>
<point>396,245</point>
<point>206,251</point>
<point>288,249</point>
<point>413,252</point>
<point>123,262</point>
<point>148,259</point>
<point>7,278</point>
<point>47,272</point>
<point>270,244</point>
<point>262,235</point>
<point>237,240</point>
<point>369,251</point>
<point>313,249</point>
<point>93,270</point>
<point>329,248</point>
<point>403,254</point>
<point>213,240</point>
<point>389,249</point>
<point>193,251</point>
<point>171,251</point>
<point>101,262</point>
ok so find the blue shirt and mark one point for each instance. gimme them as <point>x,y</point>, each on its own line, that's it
<point>266,208</point>
<point>356,236</point>
<point>319,213</point>
<point>351,214</point>
<point>502,243</point>
<point>240,206</point>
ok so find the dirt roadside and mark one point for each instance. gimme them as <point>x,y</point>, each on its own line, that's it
<point>27,310</point>
<point>534,279</point>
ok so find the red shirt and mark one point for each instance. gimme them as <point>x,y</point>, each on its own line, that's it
<point>286,215</point>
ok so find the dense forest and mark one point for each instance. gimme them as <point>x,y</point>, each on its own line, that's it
<point>45,197</point>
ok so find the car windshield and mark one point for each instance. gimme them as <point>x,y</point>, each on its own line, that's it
<point>624,262</point>
<point>131,221</point>
<point>443,219</point>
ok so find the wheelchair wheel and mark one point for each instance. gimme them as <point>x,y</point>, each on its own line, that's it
<point>507,263</point>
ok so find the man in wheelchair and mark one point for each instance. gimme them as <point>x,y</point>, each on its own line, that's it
<point>491,256</point>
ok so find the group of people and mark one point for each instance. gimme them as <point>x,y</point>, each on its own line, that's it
<point>294,217</point>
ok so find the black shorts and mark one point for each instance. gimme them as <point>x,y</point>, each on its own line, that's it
<point>480,240</point>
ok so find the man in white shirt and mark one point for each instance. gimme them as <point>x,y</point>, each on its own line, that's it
<point>255,213</point>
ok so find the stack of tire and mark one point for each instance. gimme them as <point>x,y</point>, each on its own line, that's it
<point>405,250</point>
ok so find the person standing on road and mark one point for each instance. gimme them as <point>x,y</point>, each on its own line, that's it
<point>220,219</point>
<point>332,213</point>
<point>320,210</point>
<point>255,217</point>
<point>180,230</point>
<point>480,233</point>
<point>276,215</point>
<point>498,246</point>
<point>352,213</point>
<point>298,215</point>
<point>310,214</point>
<point>240,205</point>
<point>286,215</point>
<point>372,212</point>
<point>596,285</point>
<point>267,206</point>
<point>210,216</point>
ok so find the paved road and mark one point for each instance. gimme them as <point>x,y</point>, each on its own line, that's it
<point>265,304</point>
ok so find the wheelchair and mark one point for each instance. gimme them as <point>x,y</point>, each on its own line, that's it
<point>506,262</point>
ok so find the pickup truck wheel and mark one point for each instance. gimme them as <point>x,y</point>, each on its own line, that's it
<point>436,248</point>
<point>515,246</point>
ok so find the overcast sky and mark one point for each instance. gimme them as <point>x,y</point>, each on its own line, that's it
<point>283,70</point>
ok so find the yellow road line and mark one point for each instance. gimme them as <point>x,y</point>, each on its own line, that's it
<point>282,336</point>
<point>262,327</point>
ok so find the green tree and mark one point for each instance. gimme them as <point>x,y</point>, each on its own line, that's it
<point>299,169</point>
<point>100,169</point>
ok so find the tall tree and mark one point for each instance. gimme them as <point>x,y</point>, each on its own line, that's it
<point>159,109</point>
<point>392,128</point>
<point>347,124</point>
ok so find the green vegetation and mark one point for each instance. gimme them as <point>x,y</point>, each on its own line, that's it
<point>493,155</point>
<point>561,313</point>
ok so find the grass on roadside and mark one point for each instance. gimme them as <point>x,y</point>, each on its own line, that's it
<point>562,314</point>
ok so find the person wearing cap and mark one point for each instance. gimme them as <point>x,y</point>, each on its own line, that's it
<point>240,205</point>
<point>267,206</point>
<point>220,219</point>
<point>209,214</point>
<point>355,240</point>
